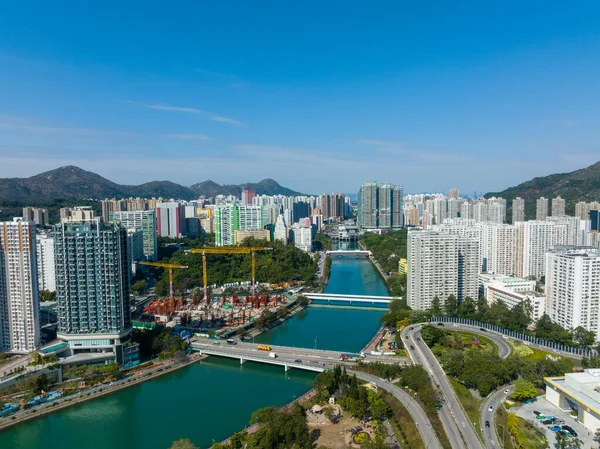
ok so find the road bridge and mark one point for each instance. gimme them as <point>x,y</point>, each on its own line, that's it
<point>316,360</point>
<point>348,252</point>
<point>350,299</point>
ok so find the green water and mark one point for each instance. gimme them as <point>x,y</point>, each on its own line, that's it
<point>212,399</point>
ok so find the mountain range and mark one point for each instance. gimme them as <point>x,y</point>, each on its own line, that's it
<point>72,182</point>
<point>579,185</point>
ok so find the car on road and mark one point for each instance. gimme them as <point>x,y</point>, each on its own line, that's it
<point>564,432</point>
<point>540,417</point>
<point>483,329</point>
<point>298,361</point>
<point>440,324</point>
<point>412,347</point>
<point>491,408</point>
<point>554,428</point>
<point>506,391</point>
<point>487,424</point>
<point>216,343</point>
<point>547,422</point>
<point>535,412</point>
<point>570,430</point>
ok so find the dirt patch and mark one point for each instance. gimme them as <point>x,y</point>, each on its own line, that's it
<point>333,435</point>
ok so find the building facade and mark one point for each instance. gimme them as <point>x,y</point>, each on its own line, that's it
<point>441,265</point>
<point>541,209</point>
<point>170,219</point>
<point>573,287</point>
<point>19,292</point>
<point>45,262</point>
<point>144,221</point>
<point>518,210</point>
<point>92,286</point>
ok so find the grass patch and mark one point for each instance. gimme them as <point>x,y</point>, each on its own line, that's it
<point>466,339</point>
<point>469,403</point>
<point>434,419</point>
<point>535,354</point>
<point>404,427</point>
<point>530,437</point>
<point>501,415</point>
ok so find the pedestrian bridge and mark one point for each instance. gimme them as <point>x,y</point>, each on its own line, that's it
<point>357,300</point>
<point>354,252</point>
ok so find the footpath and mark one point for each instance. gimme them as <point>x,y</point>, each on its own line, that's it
<point>96,392</point>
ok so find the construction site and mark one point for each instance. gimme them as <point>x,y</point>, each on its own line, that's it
<point>222,313</point>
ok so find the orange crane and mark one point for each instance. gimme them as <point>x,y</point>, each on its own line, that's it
<point>170,267</point>
<point>228,250</point>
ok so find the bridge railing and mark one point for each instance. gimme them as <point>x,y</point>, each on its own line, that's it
<point>519,336</point>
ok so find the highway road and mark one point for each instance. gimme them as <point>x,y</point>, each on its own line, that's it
<point>419,358</point>
<point>459,420</point>
<point>430,439</point>
<point>495,399</point>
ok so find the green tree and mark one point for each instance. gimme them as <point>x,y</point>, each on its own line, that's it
<point>583,338</point>
<point>436,306</point>
<point>524,390</point>
<point>451,306</point>
<point>467,309</point>
<point>379,409</point>
<point>46,295</point>
<point>183,443</point>
<point>139,286</point>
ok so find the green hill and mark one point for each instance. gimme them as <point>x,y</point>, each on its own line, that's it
<point>579,185</point>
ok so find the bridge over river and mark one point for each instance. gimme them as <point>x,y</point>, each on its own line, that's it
<point>316,360</point>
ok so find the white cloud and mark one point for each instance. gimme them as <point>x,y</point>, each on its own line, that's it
<point>211,116</point>
<point>219,118</point>
<point>162,107</point>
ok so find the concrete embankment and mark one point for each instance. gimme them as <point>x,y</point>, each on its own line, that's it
<point>374,262</point>
<point>94,393</point>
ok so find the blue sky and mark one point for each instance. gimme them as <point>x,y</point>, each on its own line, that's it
<point>317,95</point>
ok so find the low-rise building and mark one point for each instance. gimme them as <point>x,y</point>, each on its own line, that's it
<point>261,234</point>
<point>579,393</point>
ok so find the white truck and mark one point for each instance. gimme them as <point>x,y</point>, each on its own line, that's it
<point>272,355</point>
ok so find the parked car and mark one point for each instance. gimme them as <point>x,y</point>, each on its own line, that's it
<point>487,424</point>
<point>535,412</point>
<point>491,408</point>
<point>547,422</point>
<point>554,428</point>
<point>570,430</point>
<point>564,432</point>
<point>440,324</point>
<point>540,417</point>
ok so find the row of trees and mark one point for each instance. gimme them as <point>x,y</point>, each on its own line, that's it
<point>518,319</point>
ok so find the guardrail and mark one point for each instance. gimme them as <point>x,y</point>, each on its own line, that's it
<point>519,336</point>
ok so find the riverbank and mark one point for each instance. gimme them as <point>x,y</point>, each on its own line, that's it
<point>96,392</point>
<point>375,263</point>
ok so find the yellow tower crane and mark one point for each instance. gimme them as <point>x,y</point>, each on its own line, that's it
<point>170,267</point>
<point>229,250</point>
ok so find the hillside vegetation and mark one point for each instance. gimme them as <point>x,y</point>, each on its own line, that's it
<point>579,185</point>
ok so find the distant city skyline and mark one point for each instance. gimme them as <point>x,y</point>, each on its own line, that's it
<point>241,91</point>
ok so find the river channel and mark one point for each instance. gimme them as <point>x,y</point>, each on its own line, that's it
<point>210,400</point>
